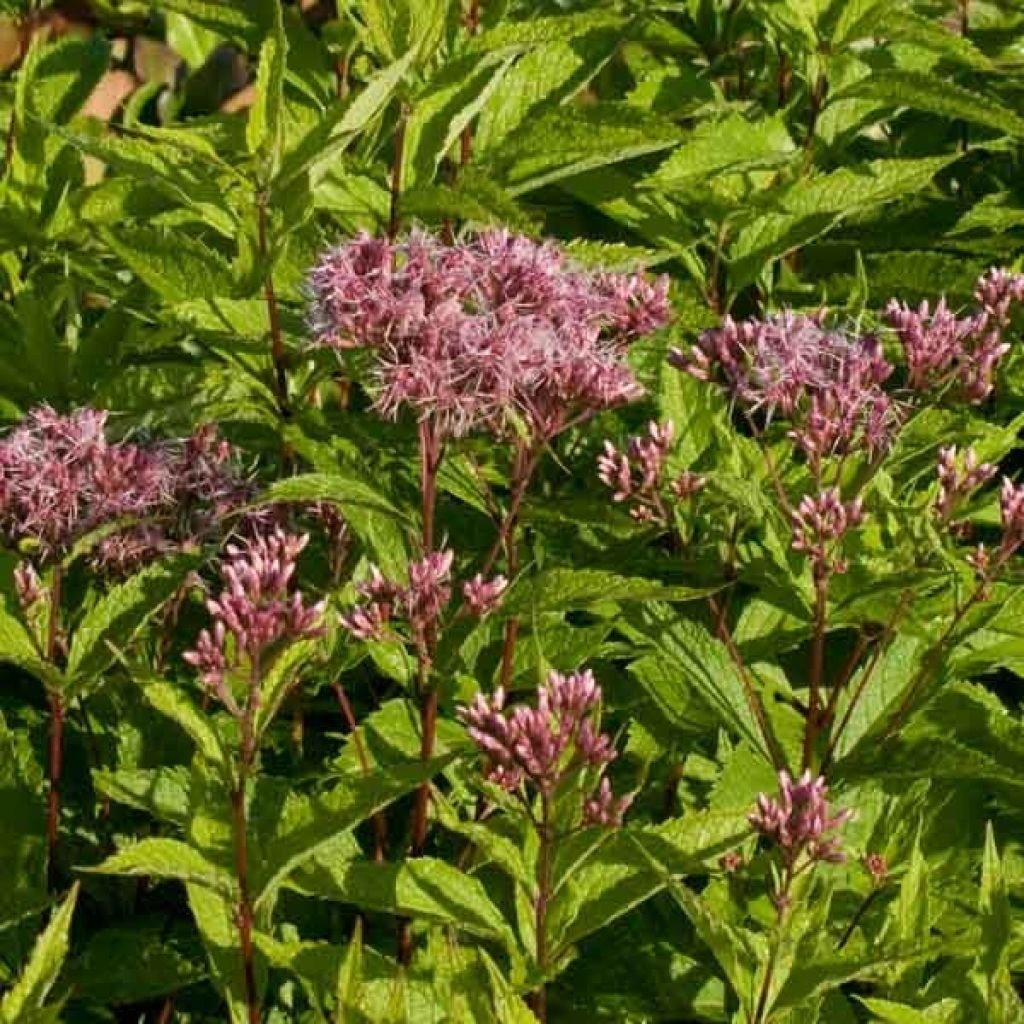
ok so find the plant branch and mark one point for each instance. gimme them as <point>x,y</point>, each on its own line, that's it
<point>277,353</point>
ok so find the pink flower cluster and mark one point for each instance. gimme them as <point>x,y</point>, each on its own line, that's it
<point>60,478</point>
<point>828,383</point>
<point>492,328</point>
<point>800,820</point>
<point>256,611</point>
<point>421,601</point>
<point>942,348</point>
<point>1011,515</point>
<point>543,746</point>
<point>819,524</point>
<point>636,475</point>
<point>958,479</point>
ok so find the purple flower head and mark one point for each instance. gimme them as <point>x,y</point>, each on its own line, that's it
<point>495,326</point>
<point>637,475</point>
<point>256,611</point>
<point>800,820</point>
<point>420,602</point>
<point>542,746</point>
<point>1011,514</point>
<point>819,525</point>
<point>942,348</point>
<point>959,478</point>
<point>877,867</point>
<point>827,382</point>
<point>28,586</point>
<point>483,596</point>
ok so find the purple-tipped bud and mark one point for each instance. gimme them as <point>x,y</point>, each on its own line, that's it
<point>800,820</point>
<point>483,596</point>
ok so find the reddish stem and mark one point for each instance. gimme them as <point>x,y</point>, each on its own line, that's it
<point>380,828</point>
<point>244,911</point>
<point>539,998</point>
<point>395,213</point>
<point>817,669</point>
<point>57,713</point>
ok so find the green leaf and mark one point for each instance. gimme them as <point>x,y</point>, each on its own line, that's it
<point>816,205</point>
<point>423,887</point>
<point>994,910</point>
<point>216,919</point>
<point>166,859</point>
<point>440,112</point>
<point>280,680</point>
<point>37,979</point>
<point>702,665</point>
<point>932,95</point>
<point>724,147</point>
<point>263,130</point>
<point>161,792</point>
<point>323,818</point>
<point>569,140</point>
<point>556,590</point>
<point>171,701</point>
<point>119,616</point>
<point>177,267</point>
<point>609,883</point>
<point>887,1012</point>
<point>318,151</point>
<point>17,648</point>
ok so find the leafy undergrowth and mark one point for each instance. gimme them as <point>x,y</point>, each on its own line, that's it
<point>509,511</point>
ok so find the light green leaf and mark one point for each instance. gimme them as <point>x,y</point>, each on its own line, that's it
<point>423,887</point>
<point>995,912</point>
<point>37,979</point>
<point>935,96</point>
<point>119,616</point>
<point>557,590</point>
<point>440,112</point>
<point>17,648</point>
<point>724,147</point>
<point>173,702</point>
<point>569,140</point>
<point>323,818</point>
<point>177,267</point>
<point>279,681</point>
<point>162,792</point>
<point>263,130</point>
<point>167,859</point>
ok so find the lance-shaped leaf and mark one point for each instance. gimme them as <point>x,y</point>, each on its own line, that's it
<point>161,792</point>
<point>29,992</point>
<point>17,648</point>
<point>173,702</point>
<point>280,680</point>
<point>263,130</point>
<point>322,818</point>
<point>167,859</point>
<point>120,615</point>
<point>423,887</point>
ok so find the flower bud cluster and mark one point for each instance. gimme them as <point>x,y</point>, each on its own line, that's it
<point>637,474</point>
<point>543,746</point>
<point>819,524</point>
<point>800,820</point>
<point>958,479</point>
<point>256,612</point>
<point>942,348</point>
<point>420,602</point>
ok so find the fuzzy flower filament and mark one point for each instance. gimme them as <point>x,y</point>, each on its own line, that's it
<point>485,331</point>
